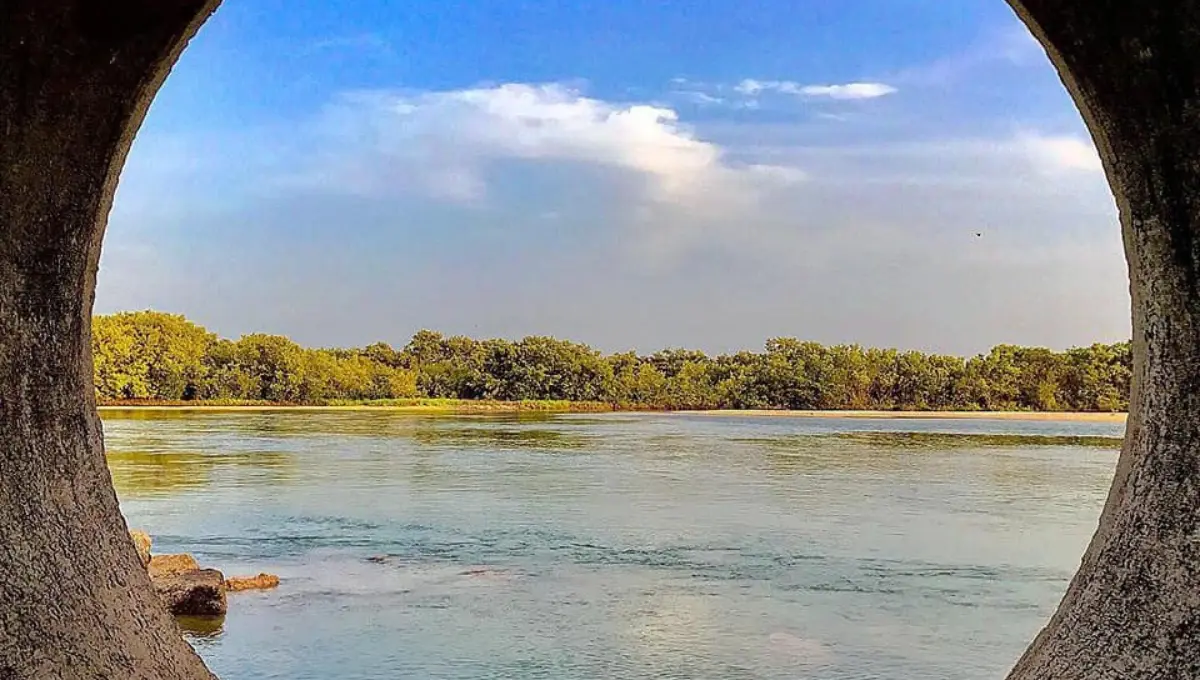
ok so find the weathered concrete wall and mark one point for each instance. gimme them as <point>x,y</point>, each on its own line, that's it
<point>75,79</point>
<point>1133,611</point>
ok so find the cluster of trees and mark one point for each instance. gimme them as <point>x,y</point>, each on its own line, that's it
<point>156,356</point>
<point>165,357</point>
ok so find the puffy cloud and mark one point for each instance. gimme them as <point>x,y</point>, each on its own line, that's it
<point>447,143</point>
<point>732,231</point>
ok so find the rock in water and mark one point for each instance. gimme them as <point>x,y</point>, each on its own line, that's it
<point>199,592</point>
<point>170,565</point>
<point>142,540</point>
<point>260,582</point>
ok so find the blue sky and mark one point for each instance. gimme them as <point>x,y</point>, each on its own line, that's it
<point>631,174</point>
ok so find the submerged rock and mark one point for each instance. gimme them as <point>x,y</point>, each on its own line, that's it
<point>260,582</point>
<point>169,565</point>
<point>199,592</point>
<point>142,541</point>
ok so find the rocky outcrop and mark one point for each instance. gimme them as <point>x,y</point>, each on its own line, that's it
<point>198,592</point>
<point>186,589</point>
<point>142,541</point>
<point>161,566</point>
<point>260,582</point>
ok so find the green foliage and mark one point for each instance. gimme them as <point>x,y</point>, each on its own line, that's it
<point>148,355</point>
<point>164,357</point>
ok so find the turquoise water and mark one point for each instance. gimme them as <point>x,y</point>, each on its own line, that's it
<point>618,546</point>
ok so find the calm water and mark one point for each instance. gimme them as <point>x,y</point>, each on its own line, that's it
<point>658,546</point>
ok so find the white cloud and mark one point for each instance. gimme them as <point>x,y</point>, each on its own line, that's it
<point>848,91</point>
<point>701,98</point>
<point>778,174</point>
<point>670,189</point>
<point>1057,154</point>
<point>713,232</point>
<point>693,92</point>
<point>446,142</point>
<point>751,87</point>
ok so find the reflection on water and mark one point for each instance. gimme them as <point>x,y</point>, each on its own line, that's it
<point>648,546</point>
<point>932,441</point>
<point>142,472</point>
<point>499,437</point>
<point>201,627</point>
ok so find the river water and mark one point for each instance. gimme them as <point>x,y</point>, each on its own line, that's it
<point>618,546</point>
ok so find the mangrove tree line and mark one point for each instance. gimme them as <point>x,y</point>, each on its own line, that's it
<point>164,357</point>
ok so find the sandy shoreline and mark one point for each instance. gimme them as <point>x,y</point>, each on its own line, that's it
<point>497,408</point>
<point>389,409</point>
<point>929,415</point>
